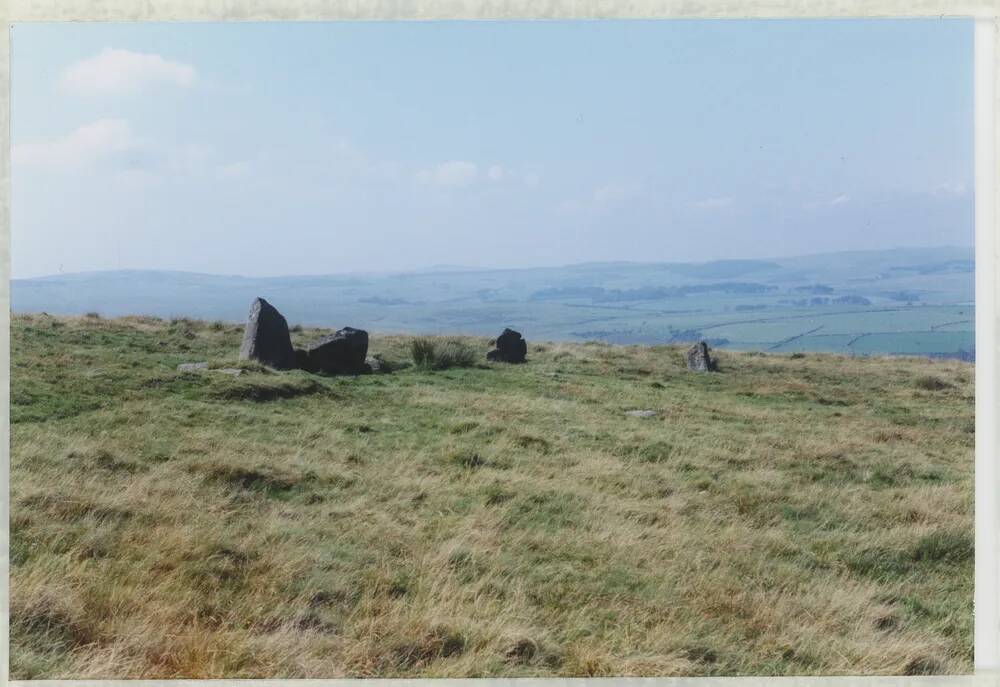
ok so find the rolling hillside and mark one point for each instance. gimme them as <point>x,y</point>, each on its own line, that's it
<point>788,514</point>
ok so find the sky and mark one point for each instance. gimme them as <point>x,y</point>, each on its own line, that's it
<point>317,148</point>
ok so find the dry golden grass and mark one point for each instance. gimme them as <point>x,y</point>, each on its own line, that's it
<point>782,516</point>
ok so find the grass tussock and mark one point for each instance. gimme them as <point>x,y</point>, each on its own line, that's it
<point>932,383</point>
<point>787,515</point>
<point>432,354</point>
<point>265,388</point>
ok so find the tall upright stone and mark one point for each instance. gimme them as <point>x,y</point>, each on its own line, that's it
<point>699,359</point>
<point>266,338</point>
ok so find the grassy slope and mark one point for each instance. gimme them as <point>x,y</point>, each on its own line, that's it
<point>785,515</point>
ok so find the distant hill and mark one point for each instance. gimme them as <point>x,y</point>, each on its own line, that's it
<point>914,300</point>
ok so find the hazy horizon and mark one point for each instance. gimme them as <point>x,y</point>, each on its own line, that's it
<point>385,147</point>
<point>445,268</point>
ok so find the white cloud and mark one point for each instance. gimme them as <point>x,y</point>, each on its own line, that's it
<point>235,170</point>
<point>342,160</point>
<point>121,71</point>
<point>832,202</point>
<point>84,146</point>
<point>496,173</point>
<point>603,198</point>
<point>452,174</point>
<point>950,188</point>
<point>462,173</point>
<point>614,193</point>
<point>189,159</point>
<point>711,203</point>
<point>386,171</point>
<point>112,145</point>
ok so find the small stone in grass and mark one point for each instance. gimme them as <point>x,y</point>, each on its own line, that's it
<point>640,413</point>
<point>192,367</point>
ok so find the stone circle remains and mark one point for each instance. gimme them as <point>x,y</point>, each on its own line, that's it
<point>267,341</point>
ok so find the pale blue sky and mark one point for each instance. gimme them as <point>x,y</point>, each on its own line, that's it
<point>265,149</point>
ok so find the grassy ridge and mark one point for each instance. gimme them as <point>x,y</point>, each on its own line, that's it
<point>787,515</point>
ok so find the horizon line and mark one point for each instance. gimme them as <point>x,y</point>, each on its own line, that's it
<point>459,269</point>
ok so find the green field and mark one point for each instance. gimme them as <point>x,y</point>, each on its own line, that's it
<point>787,515</point>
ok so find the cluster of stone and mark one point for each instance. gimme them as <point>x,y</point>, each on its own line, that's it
<point>267,341</point>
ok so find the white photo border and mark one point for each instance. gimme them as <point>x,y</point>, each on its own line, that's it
<point>986,14</point>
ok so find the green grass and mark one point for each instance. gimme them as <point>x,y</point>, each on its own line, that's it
<point>431,354</point>
<point>786,515</point>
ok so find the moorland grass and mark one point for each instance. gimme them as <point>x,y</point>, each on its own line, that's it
<point>432,354</point>
<point>789,514</point>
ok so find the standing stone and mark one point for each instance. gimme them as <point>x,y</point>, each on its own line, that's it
<point>511,348</point>
<point>699,359</point>
<point>340,353</point>
<point>266,339</point>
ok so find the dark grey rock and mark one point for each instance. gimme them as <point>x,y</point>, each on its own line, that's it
<point>266,339</point>
<point>699,359</point>
<point>510,348</point>
<point>340,353</point>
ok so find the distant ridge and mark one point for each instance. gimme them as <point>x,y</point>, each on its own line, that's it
<point>912,301</point>
<point>446,268</point>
